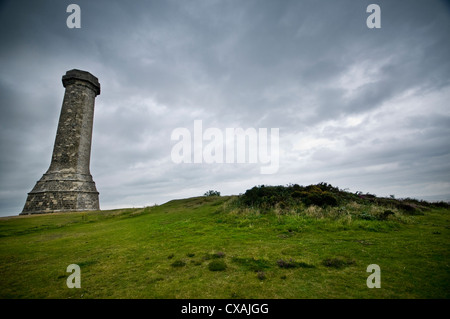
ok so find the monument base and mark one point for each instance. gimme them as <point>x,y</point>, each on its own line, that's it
<point>62,192</point>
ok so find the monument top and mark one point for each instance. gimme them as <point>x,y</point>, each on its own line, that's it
<point>72,75</point>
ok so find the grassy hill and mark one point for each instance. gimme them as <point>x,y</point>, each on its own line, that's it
<point>257,245</point>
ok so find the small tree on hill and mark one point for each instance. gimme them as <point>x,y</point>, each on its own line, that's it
<point>212,193</point>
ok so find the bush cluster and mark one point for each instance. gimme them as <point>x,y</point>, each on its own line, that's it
<point>266,198</point>
<point>211,193</point>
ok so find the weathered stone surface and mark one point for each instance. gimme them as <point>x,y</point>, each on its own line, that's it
<point>67,185</point>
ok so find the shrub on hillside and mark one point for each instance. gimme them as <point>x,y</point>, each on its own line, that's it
<point>265,196</point>
<point>441,204</point>
<point>212,193</point>
<point>285,197</point>
<point>322,199</point>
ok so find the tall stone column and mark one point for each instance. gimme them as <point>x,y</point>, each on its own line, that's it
<point>68,185</point>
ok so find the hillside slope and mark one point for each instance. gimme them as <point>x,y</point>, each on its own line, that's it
<point>205,247</point>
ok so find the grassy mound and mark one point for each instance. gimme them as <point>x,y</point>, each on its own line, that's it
<point>323,195</point>
<point>296,199</point>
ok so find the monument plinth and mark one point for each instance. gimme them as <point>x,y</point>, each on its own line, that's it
<point>68,185</point>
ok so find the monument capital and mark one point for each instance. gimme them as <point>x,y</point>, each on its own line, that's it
<point>72,76</point>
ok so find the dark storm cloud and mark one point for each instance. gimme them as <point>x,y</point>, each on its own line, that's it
<point>362,108</point>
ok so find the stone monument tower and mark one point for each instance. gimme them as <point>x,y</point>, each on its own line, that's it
<point>67,185</point>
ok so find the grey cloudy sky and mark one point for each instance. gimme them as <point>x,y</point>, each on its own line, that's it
<point>362,109</point>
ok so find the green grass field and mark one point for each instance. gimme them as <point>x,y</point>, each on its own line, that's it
<point>205,248</point>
